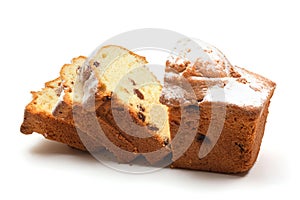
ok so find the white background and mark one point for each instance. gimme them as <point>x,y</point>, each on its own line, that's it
<point>38,37</point>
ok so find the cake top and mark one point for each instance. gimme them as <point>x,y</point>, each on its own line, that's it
<point>213,79</point>
<point>248,90</point>
<point>206,60</point>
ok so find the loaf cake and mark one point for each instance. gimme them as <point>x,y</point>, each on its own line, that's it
<point>208,114</point>
<point>223,123</point>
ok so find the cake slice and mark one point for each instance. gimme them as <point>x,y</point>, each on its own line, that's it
<point>112,84</point>
<point>75,77</point>
<point>217,113</point>
<point>38,118</point>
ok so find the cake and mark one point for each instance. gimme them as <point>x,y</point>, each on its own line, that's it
<point>220,127</point>
<point>127,96</point>
<point>125,87</point>
<point>38,118</point>
<point>209,114</point>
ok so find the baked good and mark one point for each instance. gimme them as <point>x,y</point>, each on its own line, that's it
<point>127,88</point>
<point>38,118</point>
<point>75,79</point>
<point>121,86</point>
<point>210,113</point>
<point>125,147</point>
<point>220,128</point>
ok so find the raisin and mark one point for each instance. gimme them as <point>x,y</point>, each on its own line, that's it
<point>108,98</point>
<point>96,64</point>
<point>153,128</point>
<point>141,108</point>
<point>141,116</point>
<point>166,141</point>
<point>200,137</point>
<point>132,81</point>
<point>242,149</point>
<point>138,94</point>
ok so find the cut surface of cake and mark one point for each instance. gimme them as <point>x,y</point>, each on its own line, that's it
<point>112,84</point>
<point>38,118</point>
<point>127,95</point>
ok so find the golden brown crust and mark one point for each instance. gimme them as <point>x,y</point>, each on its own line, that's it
<point>38,119</point>
<point>237,147</point>
<point>57,130</point>
<point>235,150</point>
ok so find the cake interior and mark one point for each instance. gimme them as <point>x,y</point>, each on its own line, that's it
<point>45,100</point>
<point>116,73</point>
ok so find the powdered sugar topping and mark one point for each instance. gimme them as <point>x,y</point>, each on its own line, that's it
<point>235,92</point>
<point>221,82</point>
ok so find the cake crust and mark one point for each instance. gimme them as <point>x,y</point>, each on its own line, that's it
<point>227,135</point>
<point>41,121</point>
